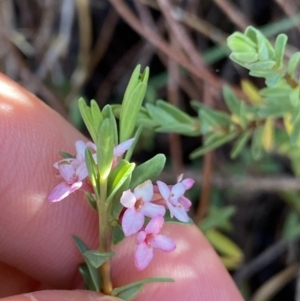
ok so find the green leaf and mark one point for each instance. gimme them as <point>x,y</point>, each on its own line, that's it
<point>118,234</point>
<point>149,170</point>
<point>239,42</point>
<point>294,97</point>
<point>175,112</point>
<point>132,102</point>
<point>129,291</point>
<point>232,102</point>
<point>93,272</point>
<point>118,176</point>
<point>178,128</point>
<point>115,204</point>
<point>224,119</point>
<point>264,65</point>
<point>223,244</point>
<point>280,44</point>
<point>279,93</point>
<point>92,169</point>
<point>274,110</point>
<point>96,115</point>
<point>86,115</point>
<point>91,200</point>
<point>256,146</point>
<point>133,145</point>
<point>295,135</point>
<point>217,218</point>
<point>66,155</point>
<point>240,144</point>
<point>293,64</point>
<point>108,113</point>
<point>105,148</point>
<point>291,228</point>
<point>87,279</point>
<point>244,57</point>
<point>159,115</point>
<point>217,143</point>
<point>96,259</point>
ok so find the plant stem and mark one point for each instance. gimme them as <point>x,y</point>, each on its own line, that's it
<point>104,240</point>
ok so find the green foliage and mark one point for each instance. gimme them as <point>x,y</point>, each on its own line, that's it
<point>128,292</point>
<point>132,102</point>
<point>89,272</point>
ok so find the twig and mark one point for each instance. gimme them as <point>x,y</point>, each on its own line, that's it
<point>155,39</point>
<point>241,184</point>
<point>85,33</point>
<point>104,38</point>
<point>43,35</point>
<point>237,17</point>
<point>191,20</point>
<point>261,261</point>
<point>35,83</point>
<point>59,45</point>
<point>290,9</point>
<point>181,35</point>
<point>173,98</point>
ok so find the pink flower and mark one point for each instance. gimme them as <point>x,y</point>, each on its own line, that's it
<point>74,172</point>
<point>177,203</point>
<point>139,205</point>
<point>73,181</point>
<point>150,239</point>
<point>120,149</point>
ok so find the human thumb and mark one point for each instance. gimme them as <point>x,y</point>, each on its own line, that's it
<point>54,295</point>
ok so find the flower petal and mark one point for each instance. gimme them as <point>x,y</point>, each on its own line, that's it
<point>143,256</point>
<point>177,191</point>
<point>62,190</point>
<point>164,190</point>
<point>141,236</point>
<point>82,171</point>
<point>120,149</point>
<point>179,212</point>
<point>80,150</point>
<point>128,199</point>
<point>155,225</point>
<point>91,146</point>
<point>163,243</point>
<point>67,171</point>
<point>188,183</point>
<point>152,210</point>
<point>144,191</point>
<point>132,221</point>
<point>185,202</point>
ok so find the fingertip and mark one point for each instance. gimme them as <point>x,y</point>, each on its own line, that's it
<point>55,295</point>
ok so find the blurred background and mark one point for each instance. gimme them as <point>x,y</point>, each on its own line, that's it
<point>249,210</point>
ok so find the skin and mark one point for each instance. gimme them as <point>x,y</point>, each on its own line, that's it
<point>36,249</point>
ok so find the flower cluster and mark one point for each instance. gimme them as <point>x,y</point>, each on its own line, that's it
<point>74,170</point>
<point>145,201</point>
<point>151,201</point>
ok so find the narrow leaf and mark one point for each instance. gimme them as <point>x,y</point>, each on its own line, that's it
<point>92,271</point>
<point>129,291</point>
<point>86,115</point>
<point>149,170</point>
<point>240,144</point>
<point>118,176</point>
<point>222,140</point>
<point>175,112</point>
<point>105,146</point>
<point>96,115</point>
<point>96,259</point>
<point>280,44</point>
